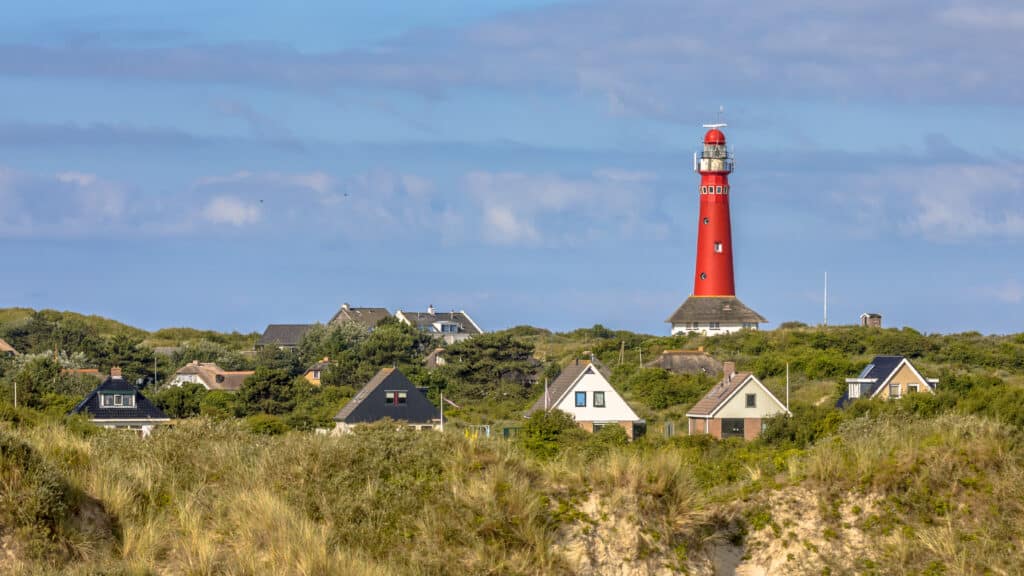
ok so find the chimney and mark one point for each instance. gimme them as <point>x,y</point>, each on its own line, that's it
<point>729,368</point>
<point>344,306</point>
<point>115,372</point>
<point>430,309</point>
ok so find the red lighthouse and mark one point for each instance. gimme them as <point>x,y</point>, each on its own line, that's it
<point>713,308</point>
<point>714,275</point>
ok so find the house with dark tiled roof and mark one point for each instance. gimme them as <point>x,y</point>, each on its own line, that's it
<point>738,406</point>
<point>388,395</point>
<point>713,315</point>
<point>6,349</point>
<point>582,390</point>
<point>366,317</point>
<point>888,378</point>
<point>116,403</point>
<point>316,371</point>
<point>210,376</point>
<point>449,326</point>
<point>283,336</point>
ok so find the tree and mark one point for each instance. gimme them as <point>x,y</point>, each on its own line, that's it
<point>180,401</point>
<point>544,431</point>
<point>479,366</point>
<point>36,379</point>
<point>268,391</point>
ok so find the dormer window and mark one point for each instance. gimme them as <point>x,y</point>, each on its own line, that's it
<point>395,397</point>
<point>117,400</point>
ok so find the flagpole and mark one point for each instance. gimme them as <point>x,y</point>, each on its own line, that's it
<point>442,411</point>
<point>545,394</point>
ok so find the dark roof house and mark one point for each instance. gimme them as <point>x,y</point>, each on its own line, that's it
<point>116,403</point>
<point>450,326</point>
<point>887,377</point>
<point>389,394</point>
<point>367,317</point>
<point>283,335</point>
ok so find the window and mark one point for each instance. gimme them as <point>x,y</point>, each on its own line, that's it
<point>395,397</point>
<point>128,401</point>
<point>703,276</point>
<point>316,374</point>
<point>751,400</point>
<point>718,247</point>
<point>707,220</point>
<point>598,399</point>
<point>703,189</point>
<point>726,190</point>
<point>107,399</point>
<point>855,390</point>
<point>718,190</point>
<point>894,391</point>
<point>118,400</point>
<point>714,325</point>
<point>750,325</point>
<point>732,427</point>
<point>912,388</point>
<point>581,399</point>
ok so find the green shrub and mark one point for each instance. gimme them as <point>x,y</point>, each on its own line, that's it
<point>266,424</point>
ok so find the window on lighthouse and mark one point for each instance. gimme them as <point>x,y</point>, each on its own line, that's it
<point>703,276</point>
<point>718,247</point>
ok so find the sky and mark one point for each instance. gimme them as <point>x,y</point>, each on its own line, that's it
<point>226,165</point>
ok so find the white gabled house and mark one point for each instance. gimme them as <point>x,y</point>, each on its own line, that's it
<point>583,391</point>
<point>738,406</point>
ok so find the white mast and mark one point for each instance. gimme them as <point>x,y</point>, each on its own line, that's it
<point>787,386</point>
<point>826,298</point>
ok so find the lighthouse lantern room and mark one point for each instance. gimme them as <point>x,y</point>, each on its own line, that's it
<point>713,307</point>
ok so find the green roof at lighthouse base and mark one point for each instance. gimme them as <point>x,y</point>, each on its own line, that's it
<point>723,309</point>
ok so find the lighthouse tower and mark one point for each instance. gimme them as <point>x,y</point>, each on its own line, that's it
<point>713,308</point>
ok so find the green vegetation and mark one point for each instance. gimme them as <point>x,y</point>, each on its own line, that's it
<point>241,484</point>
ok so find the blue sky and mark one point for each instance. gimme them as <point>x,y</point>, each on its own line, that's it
<point>226,165</point>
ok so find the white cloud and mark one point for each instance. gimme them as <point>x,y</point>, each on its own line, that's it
<point>64,204</point>
<point>522,208</point>
<point>231,210</point>
<point>1009,292</point>
<point>940,202</point>
<point>317,181</point>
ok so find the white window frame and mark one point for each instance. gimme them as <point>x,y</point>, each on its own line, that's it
<point>899,391</point>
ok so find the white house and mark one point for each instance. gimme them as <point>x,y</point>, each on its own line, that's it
<point>448,326</point>
<point>738,406</point>
<point>582,390</point>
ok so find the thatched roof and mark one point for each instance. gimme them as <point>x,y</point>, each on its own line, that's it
<point>724,309</point>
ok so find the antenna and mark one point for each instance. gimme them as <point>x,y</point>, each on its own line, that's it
<point>826,300</point>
